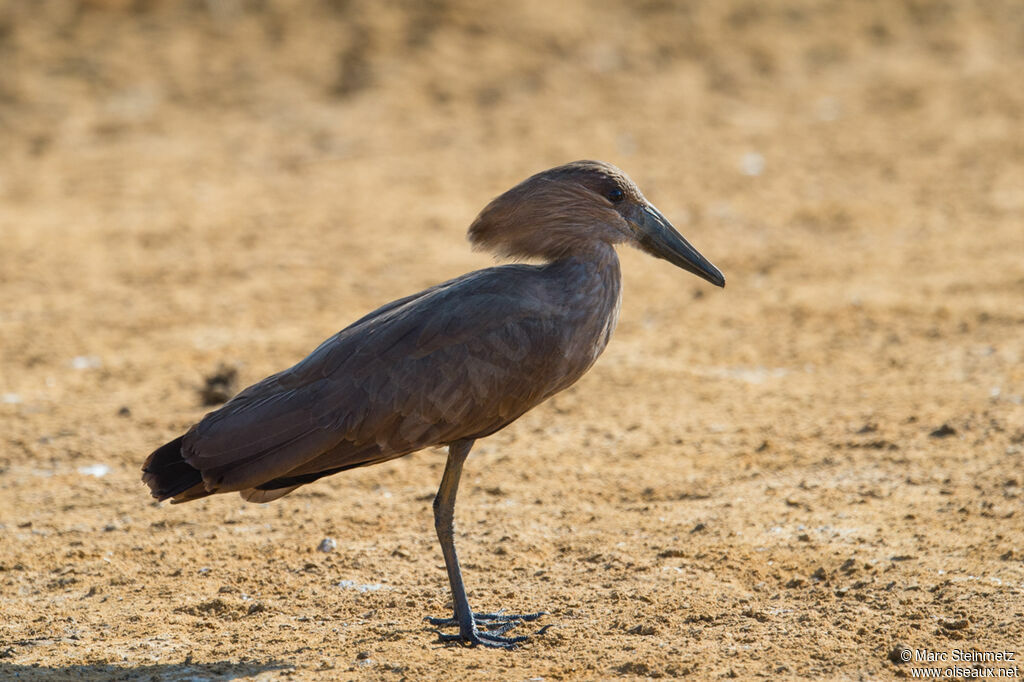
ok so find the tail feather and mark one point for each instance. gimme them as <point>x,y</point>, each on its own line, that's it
<point>168,474</point>
<point>194,493</point>
<point>261,496</point>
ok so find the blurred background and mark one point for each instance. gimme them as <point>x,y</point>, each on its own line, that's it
<point>194,187</point>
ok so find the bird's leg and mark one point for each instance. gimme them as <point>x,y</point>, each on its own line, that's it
<point>444,523</point>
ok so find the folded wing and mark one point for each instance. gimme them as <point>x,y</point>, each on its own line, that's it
<point>460,360</point>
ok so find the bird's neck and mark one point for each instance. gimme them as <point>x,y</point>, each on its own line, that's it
<point>595,261</point>
<point>596,255</point>
<point>591,283</point>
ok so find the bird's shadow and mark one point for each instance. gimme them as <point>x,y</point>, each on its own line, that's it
<point>223,670</point>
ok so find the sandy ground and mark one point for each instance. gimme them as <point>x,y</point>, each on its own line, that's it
<point>792,477</point>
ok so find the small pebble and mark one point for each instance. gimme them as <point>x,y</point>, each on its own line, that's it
<point>219,386</point>
<point>86,362</point>
<point>752,164</point>
<point>900,653</point>
<point>327,545</point>
<point>959,624</point>
<point>97,470</point>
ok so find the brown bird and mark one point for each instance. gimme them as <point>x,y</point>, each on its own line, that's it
<point>451,364</point>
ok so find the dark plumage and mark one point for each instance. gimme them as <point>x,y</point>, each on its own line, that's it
<point>446,366</point>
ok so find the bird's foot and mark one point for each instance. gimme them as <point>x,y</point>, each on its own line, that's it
<point>497,624</point>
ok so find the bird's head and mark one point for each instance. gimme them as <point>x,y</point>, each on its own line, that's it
<point>569,208</point>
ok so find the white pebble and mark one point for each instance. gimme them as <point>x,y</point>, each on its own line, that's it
<point>86,362</point>
<point>752,163</point>
<point>97,470</point>
<point>353,585</point>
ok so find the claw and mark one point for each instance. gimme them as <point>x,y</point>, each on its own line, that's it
<point>501,628</point>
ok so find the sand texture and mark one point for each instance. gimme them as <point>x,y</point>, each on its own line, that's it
<point>793,477</point>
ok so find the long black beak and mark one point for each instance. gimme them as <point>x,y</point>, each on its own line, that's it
<point>658,238</point>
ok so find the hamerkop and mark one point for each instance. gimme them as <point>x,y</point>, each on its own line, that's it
<point>451,364</point>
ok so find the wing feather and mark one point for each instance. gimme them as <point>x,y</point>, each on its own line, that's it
<point>459,360</point>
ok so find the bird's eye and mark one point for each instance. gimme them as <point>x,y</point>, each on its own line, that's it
<point>616,195</point>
